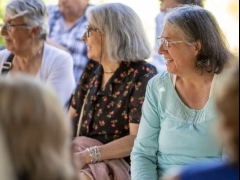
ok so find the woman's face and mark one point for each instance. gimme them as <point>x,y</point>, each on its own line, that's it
<point>94,40</point>
<point>16,35</point>
<point>180,57</point>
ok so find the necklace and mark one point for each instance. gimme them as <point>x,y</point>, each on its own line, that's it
<point>108,72</point>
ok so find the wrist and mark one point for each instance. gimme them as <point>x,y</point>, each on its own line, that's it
<point>94,154</point>
<point>87,157</point>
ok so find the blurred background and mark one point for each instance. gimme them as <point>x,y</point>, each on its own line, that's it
<point>225,11</point>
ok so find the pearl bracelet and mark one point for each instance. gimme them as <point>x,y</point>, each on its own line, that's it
<point>95,154</point>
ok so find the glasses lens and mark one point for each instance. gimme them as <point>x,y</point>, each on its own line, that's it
<point>165,44</point>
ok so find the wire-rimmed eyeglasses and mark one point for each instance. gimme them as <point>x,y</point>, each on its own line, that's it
<point>8,26</point>
<point>165,43</point>
<point>90,29</point>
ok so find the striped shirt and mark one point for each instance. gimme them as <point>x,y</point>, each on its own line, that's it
<point>69,38</point>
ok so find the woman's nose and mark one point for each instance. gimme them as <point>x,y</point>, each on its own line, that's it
<point>3,31</point>
<point>84,37</point>
<point>161,50</point>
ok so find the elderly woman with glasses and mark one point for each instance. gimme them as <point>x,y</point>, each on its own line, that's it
<point>179,109</point>
<point>25,30</point>
<point>108,100</point>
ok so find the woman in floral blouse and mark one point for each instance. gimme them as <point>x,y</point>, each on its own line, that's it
<point>108,100</point>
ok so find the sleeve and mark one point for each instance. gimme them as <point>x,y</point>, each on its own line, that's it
<point>61,77</point>
<point>137,97</point>
<point>144,153</point>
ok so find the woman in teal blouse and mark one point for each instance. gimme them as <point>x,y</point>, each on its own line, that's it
<point>175,128</point>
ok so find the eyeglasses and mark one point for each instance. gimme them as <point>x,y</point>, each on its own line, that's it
<point>90,29</point>
<point>8,26</point>
<point>163,42</point>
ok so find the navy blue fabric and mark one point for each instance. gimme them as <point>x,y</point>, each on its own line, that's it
<point>213,171</point>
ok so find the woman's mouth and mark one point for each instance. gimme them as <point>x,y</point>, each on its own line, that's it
<point>168,61</point>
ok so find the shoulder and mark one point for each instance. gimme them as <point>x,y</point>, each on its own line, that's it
<point>160,80</point>
<point>53,51</point>
<point>55,55</point>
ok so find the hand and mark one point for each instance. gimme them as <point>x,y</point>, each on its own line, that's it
<point>82,159</point>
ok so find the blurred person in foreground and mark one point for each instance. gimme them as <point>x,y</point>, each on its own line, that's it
<point>158,59</point>
<point>178,111</point>
<point>6,171</point>
<point>67,22</point>
<point>37,133</point>
<point>25,30</point>
<point>107,103</point>
<point>227,100</point>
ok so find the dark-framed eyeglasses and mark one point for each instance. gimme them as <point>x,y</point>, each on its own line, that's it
<point>88,29</point>
<point>8,26</point>
<point>165,43</point>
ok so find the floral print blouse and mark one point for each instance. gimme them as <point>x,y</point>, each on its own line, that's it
<point>108,111</point>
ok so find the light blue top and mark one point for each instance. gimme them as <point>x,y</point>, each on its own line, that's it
<point>171,134</point>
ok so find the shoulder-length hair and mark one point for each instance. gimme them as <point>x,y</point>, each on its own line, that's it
<point>34,12</point>
<point>36,129</point>
<point>122,27</point>
<point>196,23</point>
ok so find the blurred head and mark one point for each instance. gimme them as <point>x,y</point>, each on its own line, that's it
<point>227,100</point>
<point>36,129</point>
<point>25,21</point>
<point>72,7</point>
<point>197,28</point>
<point>165,4</point>
<point>117,31</point>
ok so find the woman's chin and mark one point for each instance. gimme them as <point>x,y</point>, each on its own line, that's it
<point>92,58</point>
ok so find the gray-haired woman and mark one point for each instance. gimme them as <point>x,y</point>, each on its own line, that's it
<point>25,30</point>
<point>108,100</point>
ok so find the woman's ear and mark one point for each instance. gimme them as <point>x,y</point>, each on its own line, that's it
<point>34,32</point>
<point>198,47</point>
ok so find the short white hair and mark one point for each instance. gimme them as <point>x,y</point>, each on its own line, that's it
<point>34,13</point>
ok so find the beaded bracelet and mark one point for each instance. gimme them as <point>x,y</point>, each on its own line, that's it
<point>95,154</point>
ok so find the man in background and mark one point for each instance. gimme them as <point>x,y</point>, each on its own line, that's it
<point>158,60</point>
<point>67,22</point>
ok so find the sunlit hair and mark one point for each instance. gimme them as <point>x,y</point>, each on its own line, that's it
<point>195,2</point>
<point>37,132</point>
<point>123,30</point>
<point>195,23</point>
<point>6,171</point>
<point>34,12</point>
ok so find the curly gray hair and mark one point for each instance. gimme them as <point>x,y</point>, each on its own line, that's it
<point>34,12</point>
